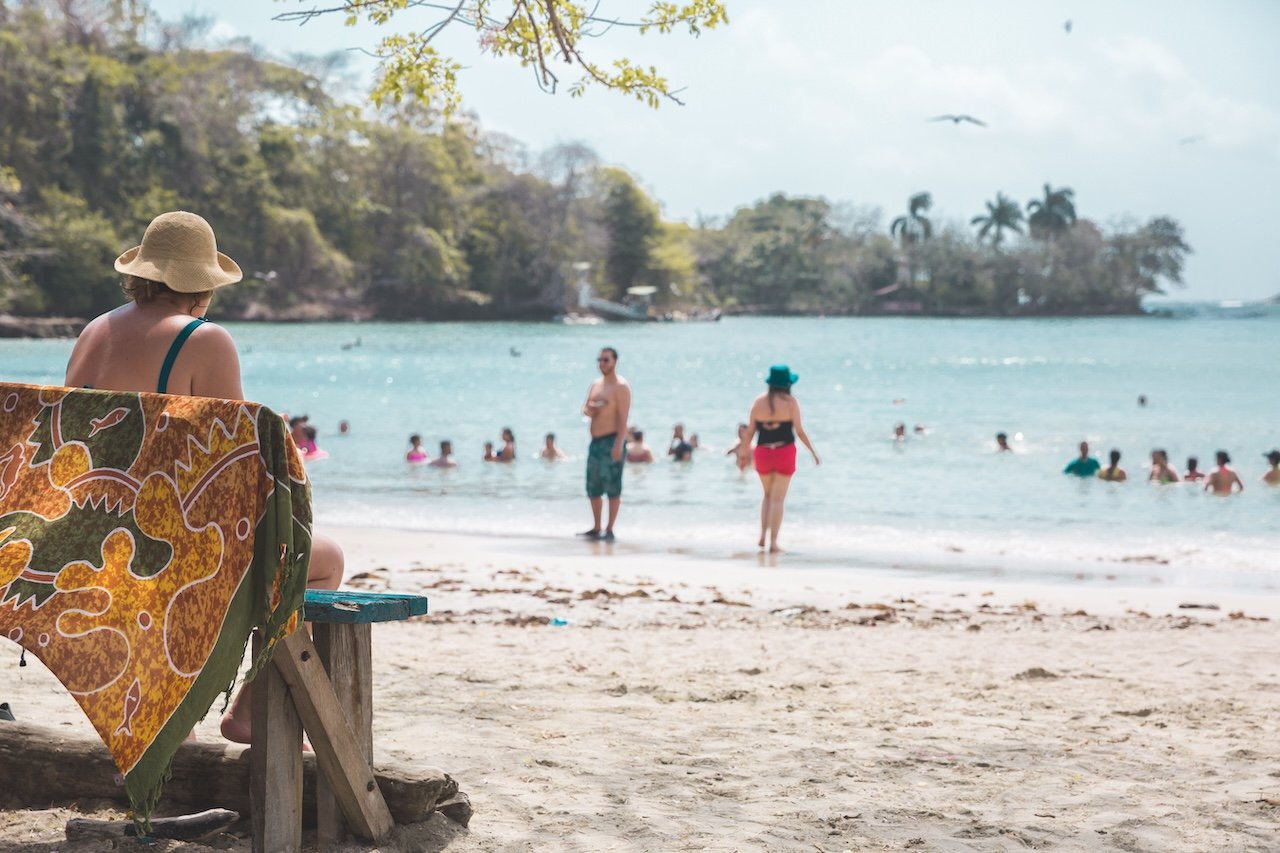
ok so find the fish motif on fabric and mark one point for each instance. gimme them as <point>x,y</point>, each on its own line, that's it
<point>132,700</point>
<point>10,466</point>
<point>107,421</point>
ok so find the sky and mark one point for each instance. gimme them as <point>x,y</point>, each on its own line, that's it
<point>1143,108</point>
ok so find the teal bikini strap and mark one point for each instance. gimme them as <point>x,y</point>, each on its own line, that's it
<point>162,387</point>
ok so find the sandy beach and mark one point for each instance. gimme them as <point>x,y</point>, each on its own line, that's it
<point>590,697</point>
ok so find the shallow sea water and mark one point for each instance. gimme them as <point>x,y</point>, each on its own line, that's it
<point>942,502</point>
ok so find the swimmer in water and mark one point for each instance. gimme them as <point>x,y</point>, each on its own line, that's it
<point>741,450</point>
<point>1083,465</point>
<point>1272,477</point>
<point>680,449</point>
<point>637,450</point>
<point>508,451</point>
<point>416,453</point>
<point>1224,480</point>
<point>1161,471</point>
<point>445,459</point>
<point>1113,473</point>
<point>550,452</point>
<point>1194,474</point>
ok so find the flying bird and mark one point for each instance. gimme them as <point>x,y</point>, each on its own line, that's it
<point>1067,26</point>
<point>956,119</point>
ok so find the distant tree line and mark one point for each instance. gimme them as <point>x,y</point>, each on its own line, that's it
<point>337,212</point>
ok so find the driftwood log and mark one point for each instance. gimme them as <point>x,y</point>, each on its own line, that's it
<point>40,765</point>
<point>190,827</point>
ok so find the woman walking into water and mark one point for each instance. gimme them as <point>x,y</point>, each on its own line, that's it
<point>775,417</point>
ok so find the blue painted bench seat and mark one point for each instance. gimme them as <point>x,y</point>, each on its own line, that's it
<point>360,608</point>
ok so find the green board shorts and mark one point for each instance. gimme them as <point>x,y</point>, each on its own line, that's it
<point>604,476</point>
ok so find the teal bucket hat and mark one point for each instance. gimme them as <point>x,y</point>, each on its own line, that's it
<point>780,376</point>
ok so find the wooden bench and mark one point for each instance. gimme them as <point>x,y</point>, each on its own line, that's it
<point>324,685</point>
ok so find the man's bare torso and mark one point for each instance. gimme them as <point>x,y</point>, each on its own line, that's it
<point>602,406</point>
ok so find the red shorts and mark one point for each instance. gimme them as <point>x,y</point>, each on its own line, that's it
<point>776,460</point>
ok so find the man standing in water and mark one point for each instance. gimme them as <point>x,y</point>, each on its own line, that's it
<point>1083,465</point>
<point>608,406</point>
<point>1224,480</point>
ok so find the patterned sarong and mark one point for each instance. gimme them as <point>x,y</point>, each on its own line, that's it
<point>142,538</point>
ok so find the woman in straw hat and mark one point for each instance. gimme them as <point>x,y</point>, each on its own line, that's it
<point>775,421</point>
<point>159,341</point>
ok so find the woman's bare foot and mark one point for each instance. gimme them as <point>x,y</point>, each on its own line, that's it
<point>760,544</point>
<point>774,549</point>
<point>236,731</point>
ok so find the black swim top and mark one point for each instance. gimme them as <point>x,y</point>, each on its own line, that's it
<point>775,432</point>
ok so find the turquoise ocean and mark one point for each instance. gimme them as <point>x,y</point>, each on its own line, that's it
<point>944,502</point>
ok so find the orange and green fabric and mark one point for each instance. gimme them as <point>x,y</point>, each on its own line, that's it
<point>143,537</point>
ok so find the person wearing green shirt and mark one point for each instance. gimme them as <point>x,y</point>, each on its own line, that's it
<point>1085,465</point>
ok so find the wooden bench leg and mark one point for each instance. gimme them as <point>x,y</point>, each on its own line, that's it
<point>346,651</point>
<point>337,753</point>
<point>275,780</point>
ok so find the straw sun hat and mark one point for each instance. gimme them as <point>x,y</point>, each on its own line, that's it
<point>179,249</point>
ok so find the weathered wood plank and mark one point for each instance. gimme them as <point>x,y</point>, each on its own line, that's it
<point>276,779</point>
<point>326,605</point>
<point>346,651</point>
<point>334,743</point>
<point>58,765</point>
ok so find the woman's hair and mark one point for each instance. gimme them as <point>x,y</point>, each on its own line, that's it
<point>506,431</point>
<point>1115,458</point>
<point>415,439</point>
<point>775,391</point>
<point>142,290</point>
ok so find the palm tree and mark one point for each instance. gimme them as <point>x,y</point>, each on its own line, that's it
<point>1053,214</point>
<point>914,227</point>
<point>1003,213</point>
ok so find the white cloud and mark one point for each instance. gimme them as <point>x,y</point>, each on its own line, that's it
<point>222,31</point>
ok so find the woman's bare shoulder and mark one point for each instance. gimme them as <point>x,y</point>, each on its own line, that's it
<point>219,372</point>
<point>213,332</point>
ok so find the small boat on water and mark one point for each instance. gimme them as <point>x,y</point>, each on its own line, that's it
<point>636,307</point>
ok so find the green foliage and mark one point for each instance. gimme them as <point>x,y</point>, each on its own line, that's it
<point>1002,215</point>
<point>914,227</point>
<point>1052,215</point>
<point>74,273</point>
<point>539,34</point>
<point>632,221</point>
<point>333,212</point>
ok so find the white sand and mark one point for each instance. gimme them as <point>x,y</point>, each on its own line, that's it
<point>760,711</point>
